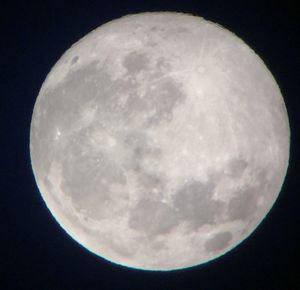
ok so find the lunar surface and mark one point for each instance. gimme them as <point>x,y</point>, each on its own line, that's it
<point>159,141</point>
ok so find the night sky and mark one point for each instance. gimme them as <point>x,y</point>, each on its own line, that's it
<point>36,253</point>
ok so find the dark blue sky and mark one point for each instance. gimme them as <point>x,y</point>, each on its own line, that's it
<point>35,252</point>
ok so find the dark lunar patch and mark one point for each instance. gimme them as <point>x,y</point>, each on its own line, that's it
<point>162,67</point>
<point>194,203</point>
<point>237,167</point>
<point>74,60</point>
<point>64,103</point>
<point>163,98</point>
<point>135,62</point>
<point>138,143</point>
<point>62,106</point>
<point>183,30</point>
<point>152,217</point>
<point>218,242</point>
<point>159,101</point>
<point>91,84</point>
<point>141,147</point>
<point>243,205</point>
<point>149,181</point>
<point>158,245</point>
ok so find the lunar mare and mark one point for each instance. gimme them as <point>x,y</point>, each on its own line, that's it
<point>159,141</point>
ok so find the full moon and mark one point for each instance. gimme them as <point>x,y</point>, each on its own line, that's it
<point>159,141</point>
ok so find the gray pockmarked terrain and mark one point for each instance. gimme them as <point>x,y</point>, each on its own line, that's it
<point>159,141</point>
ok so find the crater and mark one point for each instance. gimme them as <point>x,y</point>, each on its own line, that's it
<point>219,242</point>
<point>194,203</point>
<point>152,217</point>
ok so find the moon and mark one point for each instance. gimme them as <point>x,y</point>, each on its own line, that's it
<point>159,141</point>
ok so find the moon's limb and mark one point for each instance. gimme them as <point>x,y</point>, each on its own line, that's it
<point>155,131</point>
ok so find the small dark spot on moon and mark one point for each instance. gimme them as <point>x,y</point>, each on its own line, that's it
<point>74,60</point>
<point>157,28</point>
<point>218,242</point>
<point>182,30</point>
